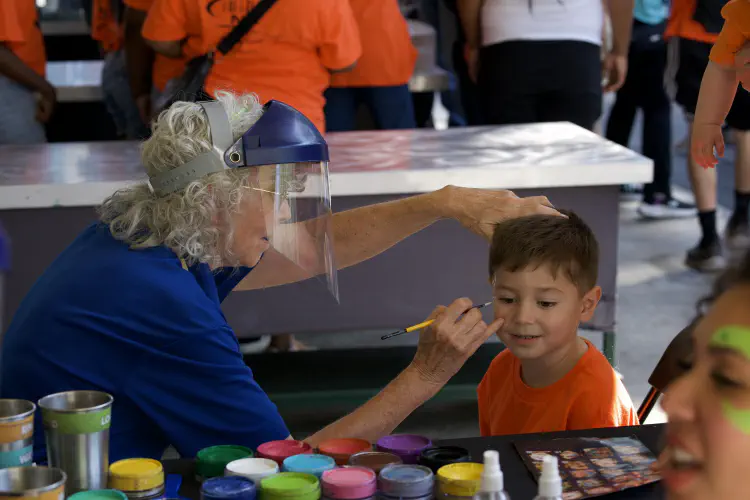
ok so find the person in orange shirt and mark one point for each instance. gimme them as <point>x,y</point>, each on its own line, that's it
<point>27,99</point>
<point>380,79</point>
<point>719,84</point>
<point>544,271</point>
<point>707,99</point>
<point>148,72</point>
<point>288,55</point>
<point>106,28</point>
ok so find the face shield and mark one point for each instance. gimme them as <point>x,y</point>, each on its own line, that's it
<point>289,184</point>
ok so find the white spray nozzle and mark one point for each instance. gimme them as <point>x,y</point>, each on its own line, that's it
<point>550,483</point>
<point>492,476</point>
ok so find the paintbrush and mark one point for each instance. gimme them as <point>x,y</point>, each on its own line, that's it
<point>427,323</point>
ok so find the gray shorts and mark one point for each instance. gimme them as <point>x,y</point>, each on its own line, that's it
<point>118,98</point>
<point>18,123</point>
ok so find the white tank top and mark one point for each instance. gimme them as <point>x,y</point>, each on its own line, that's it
<point>504,20</point>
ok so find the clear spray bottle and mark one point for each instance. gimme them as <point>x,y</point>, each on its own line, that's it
<point>491,486</point>
<point>550,482</point>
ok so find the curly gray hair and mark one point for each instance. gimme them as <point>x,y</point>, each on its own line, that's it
<point>187,221</point>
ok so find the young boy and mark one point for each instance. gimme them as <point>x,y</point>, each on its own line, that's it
<point>719,84</point>
<point>544,271</point>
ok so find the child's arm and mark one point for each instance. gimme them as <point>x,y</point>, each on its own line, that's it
<point>717,92</point>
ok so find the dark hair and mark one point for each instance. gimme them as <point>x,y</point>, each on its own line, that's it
<point>565,244</point>
<point>738,274</point>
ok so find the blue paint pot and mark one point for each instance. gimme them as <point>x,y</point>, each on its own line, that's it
<point>228,488</point>
<point>309,464</point>
<point>402,481</point>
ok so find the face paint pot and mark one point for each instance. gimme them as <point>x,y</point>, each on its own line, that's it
<point>16,432</point>
<point>228,488</point>
<point>406,446</point>
<point>278,451</point>
<point>349,483</point>
<point>76,428</point>
<point>290,486</point>
<point>309,463</point>
<point>99,495</point>
<point>32,483</point>
<point>342,449</point>
<point>212,461</point>
<point>253,469</point>
<point>400,482</point>
<point>375,460</point>
<point>138,478</point>
<point>459,481</point>
<point>439,456</point>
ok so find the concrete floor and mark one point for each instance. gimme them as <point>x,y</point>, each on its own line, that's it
<point>657,296</point>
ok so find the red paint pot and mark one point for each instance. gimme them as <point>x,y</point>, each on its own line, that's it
<point>342,449</point>
<point>278,451</point>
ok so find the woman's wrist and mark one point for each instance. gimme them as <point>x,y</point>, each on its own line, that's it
<point>423,383</point>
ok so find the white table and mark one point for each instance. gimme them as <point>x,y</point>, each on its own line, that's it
<point>47,194</point>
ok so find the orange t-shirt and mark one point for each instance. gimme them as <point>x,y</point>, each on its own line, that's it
<point>682,21</point>
<point>105,28</point>
<point>734,34</point>
<point>388,55</point>
<point>286,56</point>
<point>19,30</point>
<point>590,396</point>
<point>165,68</point>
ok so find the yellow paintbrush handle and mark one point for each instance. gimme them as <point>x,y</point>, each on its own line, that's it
<point>420,326</point>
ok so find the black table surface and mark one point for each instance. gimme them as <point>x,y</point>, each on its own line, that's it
<point>519,482</point>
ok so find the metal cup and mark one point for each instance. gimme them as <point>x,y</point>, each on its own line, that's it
<point>76,429</point>
<point>32,483</point>
<point>16,432</point>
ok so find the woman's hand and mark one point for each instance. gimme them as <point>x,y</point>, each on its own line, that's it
<point>445,345</point>
<point>479,210</point>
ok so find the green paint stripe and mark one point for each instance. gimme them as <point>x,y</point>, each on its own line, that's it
<point>77,423</point>
<point>734,337</point>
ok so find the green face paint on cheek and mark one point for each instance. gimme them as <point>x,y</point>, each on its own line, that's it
<point>736,338</point>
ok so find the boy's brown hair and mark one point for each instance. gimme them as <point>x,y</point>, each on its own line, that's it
<point>566,245</point>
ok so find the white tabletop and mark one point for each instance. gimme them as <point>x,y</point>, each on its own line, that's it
<point>531,156</point>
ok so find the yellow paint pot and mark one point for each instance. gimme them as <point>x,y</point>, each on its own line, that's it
<point>459,480</point>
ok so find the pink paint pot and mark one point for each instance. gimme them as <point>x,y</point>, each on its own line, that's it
<point>278,451</point>
<point>349,483</point>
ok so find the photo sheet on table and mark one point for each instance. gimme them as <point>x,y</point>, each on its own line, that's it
<point>590,467</point>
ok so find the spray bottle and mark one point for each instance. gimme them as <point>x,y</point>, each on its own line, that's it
<point>491,486</point>
<point>550,482</point>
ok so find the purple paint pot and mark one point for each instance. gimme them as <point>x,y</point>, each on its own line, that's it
<point>406,446</point>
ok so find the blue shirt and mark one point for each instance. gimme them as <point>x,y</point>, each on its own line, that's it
<point>137,325</point>
<point>651,11</point>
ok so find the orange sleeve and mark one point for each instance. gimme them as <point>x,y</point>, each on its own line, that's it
<point>340,45</point>
<point>104,27</point>
<point>143,5</point>
<point>733,35</point>
<point>166,21</point>
<point>10,24</point>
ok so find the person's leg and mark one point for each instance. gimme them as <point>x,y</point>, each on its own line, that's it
<point>658,202</point>
<point>708,254</point>
<point>467,88</point>
<point>391,107</point>
<point>340,109</point>
<point>622,114</point>
<point>18,124</point>
<point>738,229</point>
<point>509,97</point>
<point>119,99</point>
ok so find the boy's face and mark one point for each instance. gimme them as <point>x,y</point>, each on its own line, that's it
<point>541,311</point>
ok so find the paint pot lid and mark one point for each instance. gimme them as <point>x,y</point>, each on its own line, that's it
<point>374,460</point>
<point>289,484</point>
<point>284,448</point>
<point>406,481</point>
<point>439,456</point>
<point>253,466</point>
<point>349,483</point>
<point>461,479</point>
<point>136,474</point>
<point>404,444</point>
<point>99,495</point>
<point>347,446</point>
<point>228,487</point>
<point>309,463</point>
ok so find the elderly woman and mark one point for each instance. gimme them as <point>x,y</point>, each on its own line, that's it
<point>237,198</point>
<point>708,434</point>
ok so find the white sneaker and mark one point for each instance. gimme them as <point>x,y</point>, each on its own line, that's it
<point>667,209</point>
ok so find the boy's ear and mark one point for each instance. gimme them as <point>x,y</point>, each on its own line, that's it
<point>590,301</point>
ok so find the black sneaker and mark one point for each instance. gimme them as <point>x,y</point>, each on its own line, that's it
<point>737,235</point>
<point>706,258</point>
<point>667,209</point>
